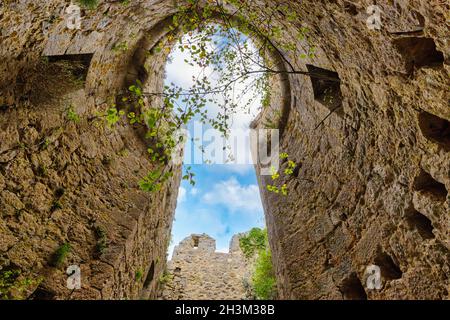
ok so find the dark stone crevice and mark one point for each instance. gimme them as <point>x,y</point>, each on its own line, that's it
<point>427,184</point>
<point>150,276</point>
<point>419,52</point>
<point>42,293</point>
<point>352,288</point>
<point>389,269</point>
<point>421,223</point>
<point>435,129</point>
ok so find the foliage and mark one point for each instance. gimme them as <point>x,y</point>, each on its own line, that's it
<point>13,285</point>
<point>272,121</point>
<point>263,280</point>
<point>165,278</point>
<point>254,241</point>
<point>113,116</point>
<point>89,4</point>
<point>60,255</point>
<point>41,170</point>
<point>288,171</point>
<point>138,275</point>
<point>71,115</point>
<point>236,58</point>
<point>120,47</point>
<point>45,143</point>
<point>56,205</point>
<point>154,180</point>
<point>102,240</point>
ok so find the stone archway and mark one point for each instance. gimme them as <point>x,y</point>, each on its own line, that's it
<point>372,178</point>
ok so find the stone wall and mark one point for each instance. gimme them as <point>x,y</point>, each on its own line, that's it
<point>196,271</point>
<point>62,180</point>
<point>372,180</point>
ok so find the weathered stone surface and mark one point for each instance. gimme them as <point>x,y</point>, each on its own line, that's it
<point>355,192</point>
<point>197,271</point>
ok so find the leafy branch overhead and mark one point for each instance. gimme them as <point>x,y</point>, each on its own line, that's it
<point>233,49</point>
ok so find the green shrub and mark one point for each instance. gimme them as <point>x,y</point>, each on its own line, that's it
<point>253,242</point>
<point>138,275</point>
<point>13,285</point>
<point>60,255</point>
<point>165,278</point>
<point>102,241</point>
<point>42,170</point>
<point>263,280</point>
<point>56,205</point>
<point>71,115</point>
<point>89,4</point>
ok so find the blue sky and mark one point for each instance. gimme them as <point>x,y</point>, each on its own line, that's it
<point>225,199</point>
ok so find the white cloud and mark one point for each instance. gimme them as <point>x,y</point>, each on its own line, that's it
<point>182,74</point>
<point>181,194</point>
<point>194,191</point>
<point>235,196</point>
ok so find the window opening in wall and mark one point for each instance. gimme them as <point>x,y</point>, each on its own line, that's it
<point>326,88</point>
<point>196,241</point>
<point>78,64</point>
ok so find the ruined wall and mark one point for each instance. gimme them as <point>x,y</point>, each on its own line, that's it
<point>196,271</point>
<point>74,180</point>
<point>372,180</point>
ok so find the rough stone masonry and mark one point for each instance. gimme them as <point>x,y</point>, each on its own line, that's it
<point>372,180</point>
<point>196,271</point>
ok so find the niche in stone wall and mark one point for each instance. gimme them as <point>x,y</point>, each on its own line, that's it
<point>421,223</point>
<point>55,76</point>
<point>196,242</point>
<point>77,64</point>
<point>435,129</point>
<point>326,88</point>
<point>352,288</point>
<point>419,52</point>
<point>427,184</point>
<point>42,293</point>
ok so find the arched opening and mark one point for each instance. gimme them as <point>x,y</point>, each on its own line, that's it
<point>65,180</point>
<point>221,79</point>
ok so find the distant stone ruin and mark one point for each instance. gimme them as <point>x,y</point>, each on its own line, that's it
<point>197,271</point>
